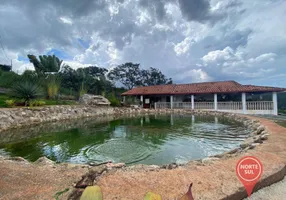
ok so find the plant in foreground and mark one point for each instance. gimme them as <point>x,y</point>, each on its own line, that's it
<point>10,103</point>
<point>27,91</point>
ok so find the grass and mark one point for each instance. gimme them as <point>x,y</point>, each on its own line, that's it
<point>3,98</point>
<point>50,102</point>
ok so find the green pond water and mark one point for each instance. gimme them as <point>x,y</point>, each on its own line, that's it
<point>159,139</point>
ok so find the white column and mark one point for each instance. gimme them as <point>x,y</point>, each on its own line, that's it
<point>275,104</point>
<point>124,99</point>
<point>193,102</point>
<point>141,100</point>
<point>215,101</point>
<point>243,98</point>
<point>171,101</point>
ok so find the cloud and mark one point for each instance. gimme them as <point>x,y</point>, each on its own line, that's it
<point>188,40</point>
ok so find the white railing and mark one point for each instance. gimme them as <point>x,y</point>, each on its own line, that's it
<point>204,105</point>
<point>160,105</point>
<point>259,105</point>
<point>229,105</point>
<point>182,105</point>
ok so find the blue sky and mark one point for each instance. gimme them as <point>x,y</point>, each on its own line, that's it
<point>188,40</point>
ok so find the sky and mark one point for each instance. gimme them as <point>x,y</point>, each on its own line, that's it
<point>188,40</point>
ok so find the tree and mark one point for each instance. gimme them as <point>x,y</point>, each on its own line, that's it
<point>92,78</point>
<point>5,68</point>
<point>154,76</point>
<point>128,74</point>
<point>45,64</point>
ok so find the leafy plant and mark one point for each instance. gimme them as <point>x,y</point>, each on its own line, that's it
<point>27,91</point>
<point>92,193</point>
<point>58,194</point>
<point>53,86</point>
<point>45,64</point>
<point>152,196</point>
<point>114,101</point>
<point>37,103</point>
<point>10,103</point>
<point>82,90</point>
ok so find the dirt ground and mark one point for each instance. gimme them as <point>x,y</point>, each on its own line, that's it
<point>214,180</point>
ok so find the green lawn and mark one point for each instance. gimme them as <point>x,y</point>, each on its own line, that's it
<point>4,97</point>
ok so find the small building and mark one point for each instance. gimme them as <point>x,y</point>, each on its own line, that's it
<point>227,96</point>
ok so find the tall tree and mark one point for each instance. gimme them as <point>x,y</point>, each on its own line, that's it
<point>128,74</point>
<point>5,68</point>
<point>45,64</point>
<point>154,76</point>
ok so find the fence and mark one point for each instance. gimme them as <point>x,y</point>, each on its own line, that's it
<point>225,106</point>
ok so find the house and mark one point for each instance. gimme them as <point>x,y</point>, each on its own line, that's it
<point>227,96</point>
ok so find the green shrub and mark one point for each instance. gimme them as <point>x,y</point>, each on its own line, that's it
<point>83,89</point>
<point>37,103</point>
<point>53,86</point>
<point>8,78</point>
<point>114,101</point>
<point>27,91</point>
<point>10,103</point>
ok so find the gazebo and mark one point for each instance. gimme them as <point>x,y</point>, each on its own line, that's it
<point>227,96</point>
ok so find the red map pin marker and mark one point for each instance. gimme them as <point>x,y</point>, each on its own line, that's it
<point>249,170</point>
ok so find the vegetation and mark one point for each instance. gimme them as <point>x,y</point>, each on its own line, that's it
<point>45,64</point>
<point>130,75</point>
<point>10,103</point>
<point>27,91</point>
<point>53,82</point>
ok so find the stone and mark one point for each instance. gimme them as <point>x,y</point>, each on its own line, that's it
<point>258,140</point>
<point>89,99</point>
<point>44,161</point>
<point>260,129</point>
<point>209,160</point>
<point>264,137</point>
<point>115,165</point>
<point>252,146</point>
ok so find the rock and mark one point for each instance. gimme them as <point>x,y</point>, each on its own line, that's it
<point>260,129</point>
<point>115,165</point>
<point>252,146</point>
<point>264,137</point>
<point>209,160</point>
<point>258,140</point>
<point>89,99</point>
<point>20,159</point>
<point>44,161</point>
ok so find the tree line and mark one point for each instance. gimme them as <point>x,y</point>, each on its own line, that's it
<point>56,77</point>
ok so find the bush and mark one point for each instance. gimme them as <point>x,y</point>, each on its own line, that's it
<point>83,89</point>
<point>114,101</point>
<point>10,103</point>
<point>27,91</point>
<point>53,87</point>
<point>8,78</point>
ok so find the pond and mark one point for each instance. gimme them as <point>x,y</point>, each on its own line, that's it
<point>154,139</point>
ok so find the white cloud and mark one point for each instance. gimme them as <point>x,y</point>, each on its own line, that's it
<point>218,40</point>
<point>66,20</point>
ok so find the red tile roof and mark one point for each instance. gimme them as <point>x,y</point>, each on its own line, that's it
<point>201,88</point>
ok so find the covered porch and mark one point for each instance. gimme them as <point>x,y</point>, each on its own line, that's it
<point>225,96</point>
<point>244,103</point>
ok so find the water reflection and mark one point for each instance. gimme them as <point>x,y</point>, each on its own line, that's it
<point>154,139</point>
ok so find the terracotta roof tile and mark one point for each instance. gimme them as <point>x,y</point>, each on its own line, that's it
<point>201,88</point>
